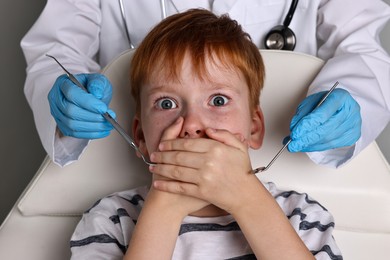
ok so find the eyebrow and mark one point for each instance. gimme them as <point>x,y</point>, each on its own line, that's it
<point>216,85</point>
<point>211,85</point>
<point>159,87</point>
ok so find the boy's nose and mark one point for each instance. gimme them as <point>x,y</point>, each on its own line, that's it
<point>193,126</point>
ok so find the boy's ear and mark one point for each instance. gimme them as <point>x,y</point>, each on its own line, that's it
<point>138,135</point>
<point>258,129</point>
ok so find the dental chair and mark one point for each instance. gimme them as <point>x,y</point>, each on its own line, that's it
<point>41,223</point>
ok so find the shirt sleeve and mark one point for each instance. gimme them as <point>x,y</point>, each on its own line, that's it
<point>105,230</point>
<point>97,237</point>
<point>68,30</point>
<point>349,42</point>
<point>313,222</point>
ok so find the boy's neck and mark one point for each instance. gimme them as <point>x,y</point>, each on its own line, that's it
<point>209,211</point>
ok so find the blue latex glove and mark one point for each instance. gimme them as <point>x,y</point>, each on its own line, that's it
<point>334,124</point>
<point>78,113</point>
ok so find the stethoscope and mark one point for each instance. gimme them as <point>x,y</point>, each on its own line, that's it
<point>281,37</point>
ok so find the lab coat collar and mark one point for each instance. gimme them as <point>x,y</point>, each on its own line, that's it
<point>218,7</point>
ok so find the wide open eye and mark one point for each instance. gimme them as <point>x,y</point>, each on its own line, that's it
<point>219,100</point>
<point>166,103</point>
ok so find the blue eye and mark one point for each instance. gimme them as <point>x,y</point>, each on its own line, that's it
<point>219,100</point>
<point>166,103</point>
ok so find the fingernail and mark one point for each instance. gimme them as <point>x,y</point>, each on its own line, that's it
<point>178,120</point>
<point>160,146</point>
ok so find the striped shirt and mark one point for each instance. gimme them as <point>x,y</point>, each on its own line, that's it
<point>105,230</point>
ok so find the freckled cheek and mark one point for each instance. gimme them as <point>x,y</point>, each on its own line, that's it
<point>216,117</point>
<point>153,130</point>
<point>219,122</point>
<point>236,124</point>
<point>152,136</point>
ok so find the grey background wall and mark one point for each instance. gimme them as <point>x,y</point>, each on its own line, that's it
<point>384,139</point>
<point>21,152</point>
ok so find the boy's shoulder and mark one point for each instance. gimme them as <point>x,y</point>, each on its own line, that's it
<point>129,200</point>
<point>291,199</point>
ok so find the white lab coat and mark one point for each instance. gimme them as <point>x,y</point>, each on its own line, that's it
<point>86,34</point>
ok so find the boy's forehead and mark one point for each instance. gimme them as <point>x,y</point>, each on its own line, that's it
<point>212,81</point>
<point>213,72</point>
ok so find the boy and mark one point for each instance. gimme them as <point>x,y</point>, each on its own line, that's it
<point>192,78</point>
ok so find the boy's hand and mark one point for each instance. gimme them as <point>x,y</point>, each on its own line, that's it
<point>217,170</point>
<point>182,203</point>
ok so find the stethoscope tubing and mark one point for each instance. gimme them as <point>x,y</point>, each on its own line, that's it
<point>124,18</point>
<point>290,13</point>
<point>286,21</point>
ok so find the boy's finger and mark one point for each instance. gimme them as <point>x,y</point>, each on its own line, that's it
<point>187,159</point>
<point>235,140</point>
<point>173,131</point>
<point>177,187</point>
<point>174,172</point>
<point>204,144</point>
<point>197,145</point>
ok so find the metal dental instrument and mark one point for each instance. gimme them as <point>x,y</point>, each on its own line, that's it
<point>106,115</point>
<point>262,168</point>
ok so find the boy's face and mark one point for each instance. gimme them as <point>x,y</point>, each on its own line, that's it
<point>219,102</point>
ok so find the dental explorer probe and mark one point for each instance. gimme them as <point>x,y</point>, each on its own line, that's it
<point>262,168</point>
<point>106,115</point>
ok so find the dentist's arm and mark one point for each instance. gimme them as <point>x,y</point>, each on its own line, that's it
<point>348,40</point>
<point>74,40</point>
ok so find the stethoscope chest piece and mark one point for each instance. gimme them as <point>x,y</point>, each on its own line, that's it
<point>280,38</point>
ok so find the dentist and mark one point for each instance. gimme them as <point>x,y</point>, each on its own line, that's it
<point>85,35</point>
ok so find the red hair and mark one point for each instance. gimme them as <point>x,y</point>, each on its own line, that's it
<point>200,34</point>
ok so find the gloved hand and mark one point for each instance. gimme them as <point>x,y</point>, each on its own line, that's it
<point>78,113</point>
<point>334,124</point>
